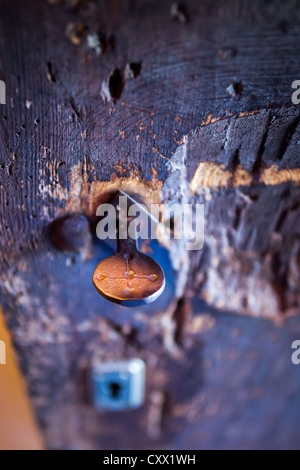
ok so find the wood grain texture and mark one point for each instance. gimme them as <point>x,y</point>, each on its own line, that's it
<point>183,79</point>
<point>82,119</point>
<point>250,261</point>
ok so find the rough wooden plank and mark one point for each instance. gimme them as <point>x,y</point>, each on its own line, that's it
<point>78,123</point>
<point>183,78</point>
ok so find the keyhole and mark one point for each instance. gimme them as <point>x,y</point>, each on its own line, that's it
<point>115,389</point>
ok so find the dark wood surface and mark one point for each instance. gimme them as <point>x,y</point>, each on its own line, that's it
<point>183,78</point>
<point>82,120</point>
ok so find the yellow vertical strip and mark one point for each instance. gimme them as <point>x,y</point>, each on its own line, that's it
<point>18,429</point>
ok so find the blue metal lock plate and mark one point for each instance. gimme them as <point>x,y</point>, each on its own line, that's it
<point>118,385</point>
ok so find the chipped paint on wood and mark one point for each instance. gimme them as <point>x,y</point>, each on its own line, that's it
<point>86,196</point>
<point>215,176</point>
<point>273,175</point>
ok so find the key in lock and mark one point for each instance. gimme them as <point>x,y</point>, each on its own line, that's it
<point>129,277</point>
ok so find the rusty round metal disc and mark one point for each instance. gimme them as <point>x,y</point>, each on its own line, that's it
<point>129,279</point>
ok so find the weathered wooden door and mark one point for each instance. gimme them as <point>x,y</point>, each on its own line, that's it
<point>185,103</point>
